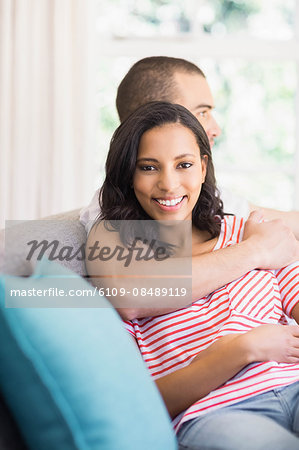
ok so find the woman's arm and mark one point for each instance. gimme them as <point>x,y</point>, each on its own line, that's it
<point>224,359</point>
<point>295,312</point>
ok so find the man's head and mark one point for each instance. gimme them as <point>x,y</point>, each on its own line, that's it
<point>161,78</point>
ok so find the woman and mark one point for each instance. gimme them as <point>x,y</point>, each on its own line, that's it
<point>159,170</point>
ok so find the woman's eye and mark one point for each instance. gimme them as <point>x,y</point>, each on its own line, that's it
<point>147,168</point>
<point>185,165</point>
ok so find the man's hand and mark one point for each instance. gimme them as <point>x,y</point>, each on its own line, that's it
<point>273,242</point>
<point>290,218</point>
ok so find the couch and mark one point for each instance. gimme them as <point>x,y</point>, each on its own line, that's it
<point>70,377</point>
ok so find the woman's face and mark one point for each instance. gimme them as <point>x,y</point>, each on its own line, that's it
<point>169,172</point>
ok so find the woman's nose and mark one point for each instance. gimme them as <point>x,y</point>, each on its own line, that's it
<point>168,181</point>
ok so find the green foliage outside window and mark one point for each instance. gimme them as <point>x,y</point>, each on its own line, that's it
<point>255,100</point>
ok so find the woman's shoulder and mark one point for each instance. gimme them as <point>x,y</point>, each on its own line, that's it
<point>102,248</point>
<point>104,233</point>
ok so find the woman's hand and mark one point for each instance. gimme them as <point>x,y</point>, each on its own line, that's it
<point>273,343</point>
<point>265,343</point>
<point>224,359</point>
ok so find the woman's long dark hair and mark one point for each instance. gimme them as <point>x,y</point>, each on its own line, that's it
<point>117,198</point>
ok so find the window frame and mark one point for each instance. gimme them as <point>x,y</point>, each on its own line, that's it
<point>218,48</point>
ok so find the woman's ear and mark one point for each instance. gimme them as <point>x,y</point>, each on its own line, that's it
<point>204,165</point>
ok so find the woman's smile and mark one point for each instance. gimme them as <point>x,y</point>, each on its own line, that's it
<point>169,172</point>
<point>170,203</point>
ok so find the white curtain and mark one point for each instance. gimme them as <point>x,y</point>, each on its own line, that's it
<point>46,106</point>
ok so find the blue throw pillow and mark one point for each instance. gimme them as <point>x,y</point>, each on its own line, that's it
<point>72,376</point>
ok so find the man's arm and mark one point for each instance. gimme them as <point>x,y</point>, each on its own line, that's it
<point>291,218</point>
<point>267,245</point>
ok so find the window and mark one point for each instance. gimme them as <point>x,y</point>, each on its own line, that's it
<point>249,53</point>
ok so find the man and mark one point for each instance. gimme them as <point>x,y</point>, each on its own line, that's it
<point>267,245</point>
<point>179,81</point>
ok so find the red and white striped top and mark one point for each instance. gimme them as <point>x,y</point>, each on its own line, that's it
<point>169,342</point>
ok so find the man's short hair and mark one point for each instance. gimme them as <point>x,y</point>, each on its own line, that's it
<point>151,79</point>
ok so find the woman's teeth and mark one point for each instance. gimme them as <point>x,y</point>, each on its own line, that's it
<point>172,202</point>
